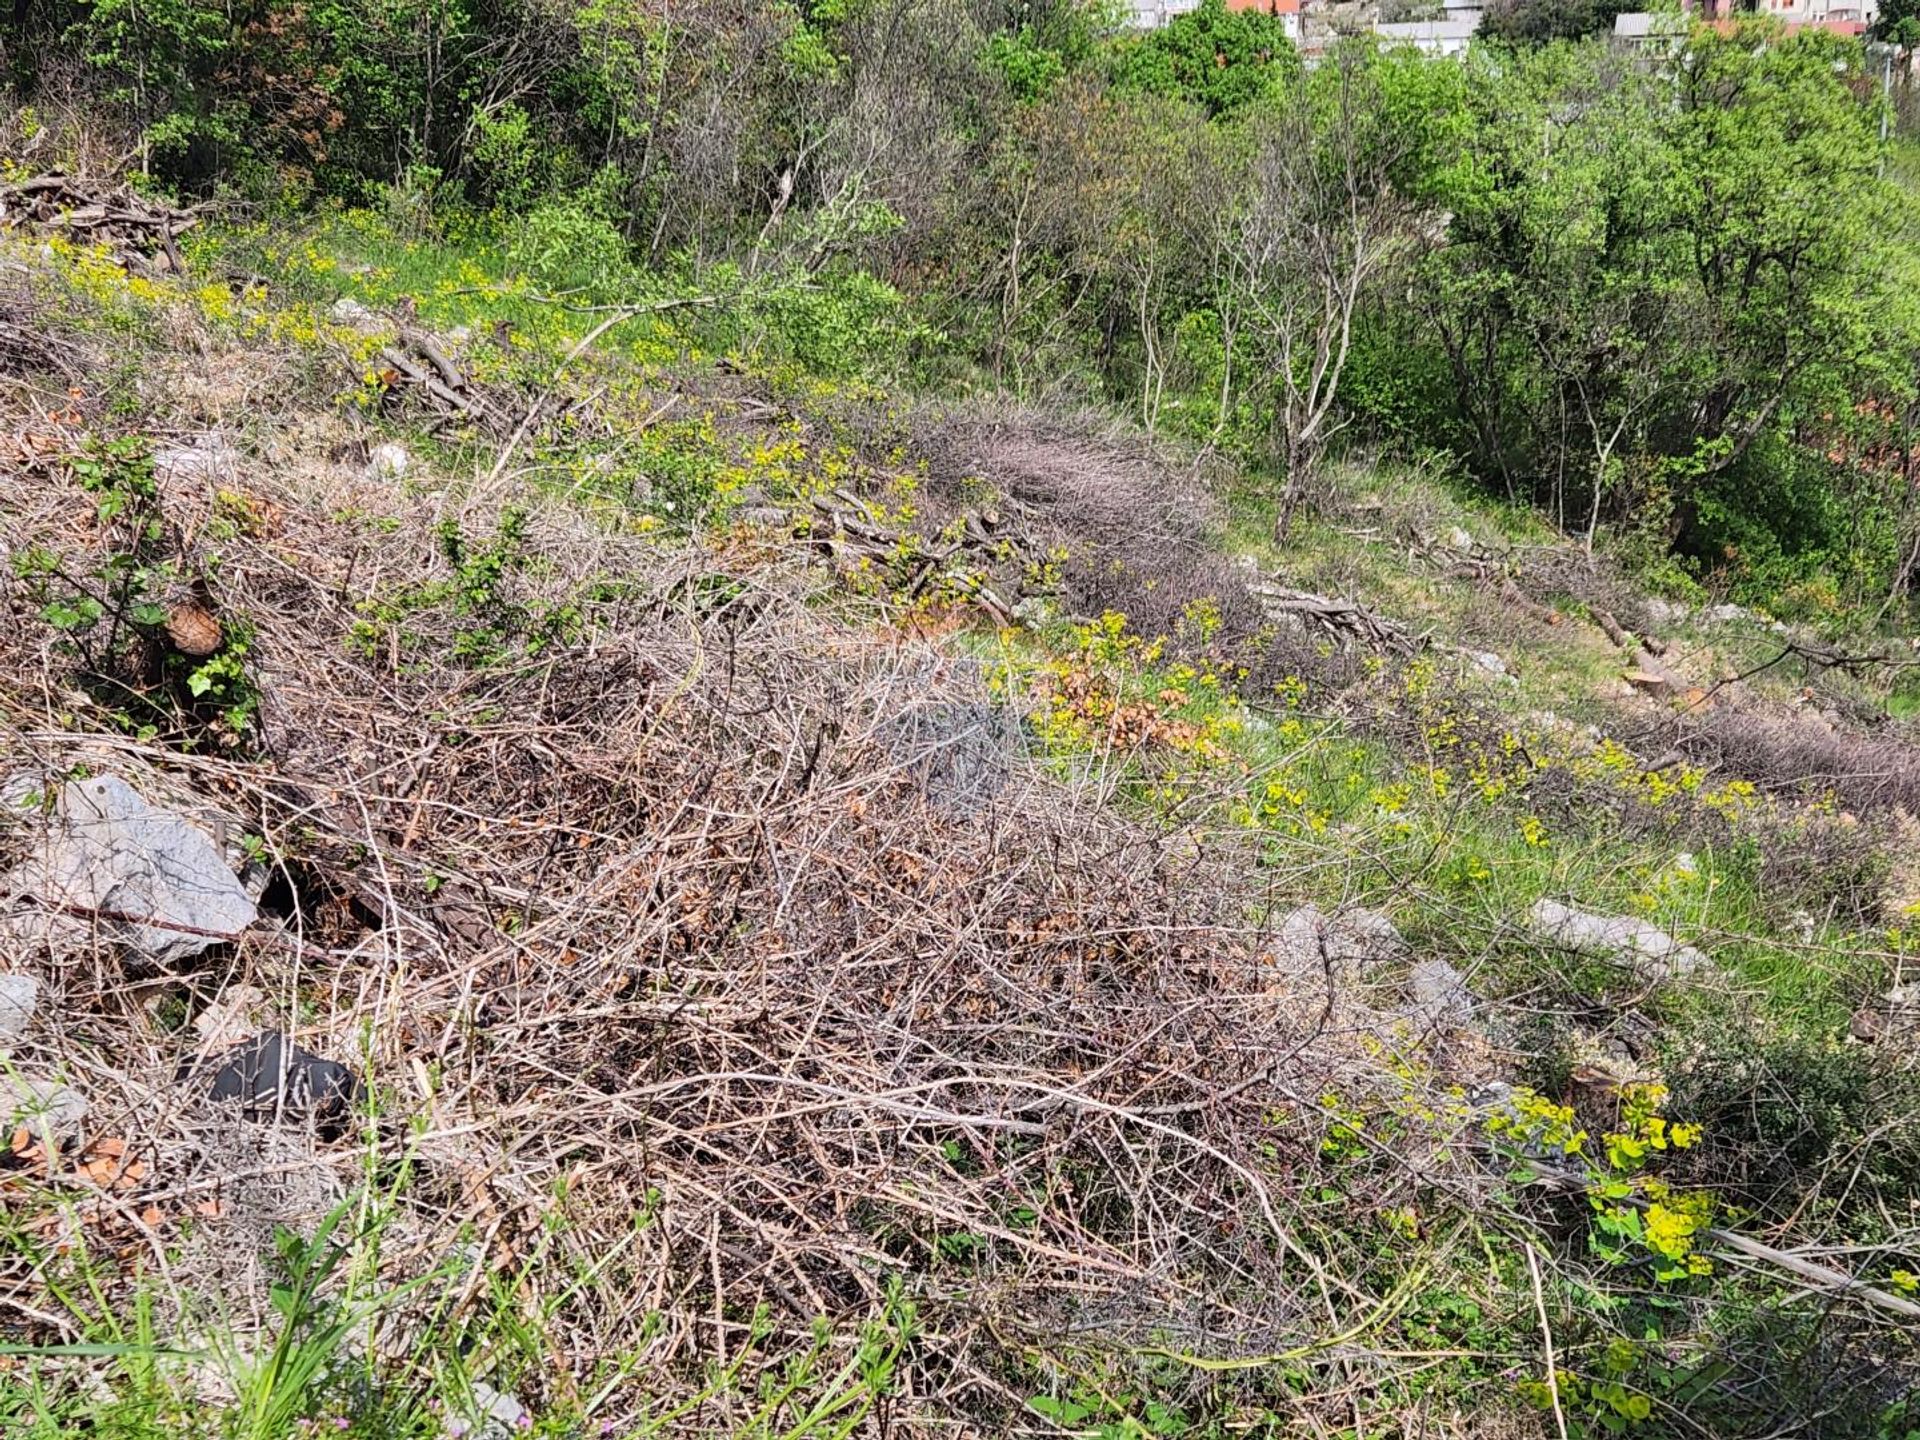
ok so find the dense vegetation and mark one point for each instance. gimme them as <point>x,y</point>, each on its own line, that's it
<point>1671,296</point>
<point>614,443</point>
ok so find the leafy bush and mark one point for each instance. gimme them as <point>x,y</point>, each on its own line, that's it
<point>1800,1123</point>
<point>115,618</point>
<point>849,323</point>
<point>472,613</point>
<point>565,245</point>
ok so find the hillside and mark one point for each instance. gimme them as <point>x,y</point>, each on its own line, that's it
<point>741,726</point>
<point>854,914</point>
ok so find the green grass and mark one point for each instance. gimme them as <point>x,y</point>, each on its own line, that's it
<point>347,1353</point>
<point>1455,829</point>
<point>541,294</point>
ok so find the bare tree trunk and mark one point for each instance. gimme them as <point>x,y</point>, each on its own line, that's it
<point>1227,318</point>
<point>1154,368</point>
<point>1302,461</point>
<point>1323,227</point>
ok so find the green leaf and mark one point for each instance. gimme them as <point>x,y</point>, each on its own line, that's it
<point>1061,1412</point>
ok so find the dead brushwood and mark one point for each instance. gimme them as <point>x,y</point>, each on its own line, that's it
<point>1796,753</point>
<point>29,345</point>
<point>1131,526</point>
<point>666,916</point>
<point>140,232</point>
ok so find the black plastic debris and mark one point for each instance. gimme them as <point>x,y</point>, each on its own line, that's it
<point>272,1078</point>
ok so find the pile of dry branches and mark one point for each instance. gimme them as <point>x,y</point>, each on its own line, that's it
<point>684,918</point>
<point>1134,528</point>
<point>848,531</point>
<point>140,231</point>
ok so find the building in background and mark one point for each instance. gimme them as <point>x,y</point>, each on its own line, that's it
<point>1641,27</point>
<point>1828,14</point>
<point>1842,17</point>
<point>1450,36</point>
<point>1152,14</point>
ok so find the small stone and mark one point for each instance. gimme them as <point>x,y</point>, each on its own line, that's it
<point>497,1414</point>
<point>1460,538</point>
<point>270,1077</point>
<point>1300,940</point>
<point>18,995</point>
<point>1344,944</point>
<point>207,458</point>
<point>1725,614</point>
<point>390,461</point>
<point>1489,662</point>
<point>132,872</point>
<point>1440,995</point>
<point>349,311</point>
<point>1647,950</point>
<point>51,1110</point>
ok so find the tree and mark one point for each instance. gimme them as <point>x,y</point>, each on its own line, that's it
<point>1899,26</point>
<point>1554,297</point>
<point>1325,221</point>
<point>1539,22</point>
<point>1656,277</point>
<point>1113,182</point>
<point>1222,60</point>
<point>1783,215</point>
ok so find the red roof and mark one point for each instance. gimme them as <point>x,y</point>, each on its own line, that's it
<point>1267,7</point>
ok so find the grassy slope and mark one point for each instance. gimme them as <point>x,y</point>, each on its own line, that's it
<point>1448,798</point>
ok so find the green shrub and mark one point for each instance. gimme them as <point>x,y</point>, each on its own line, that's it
<point>1801,1123</point>
<point>111,613</point>
<point>563,245</point>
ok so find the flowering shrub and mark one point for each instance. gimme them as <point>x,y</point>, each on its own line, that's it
<point>1638,1216</point>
